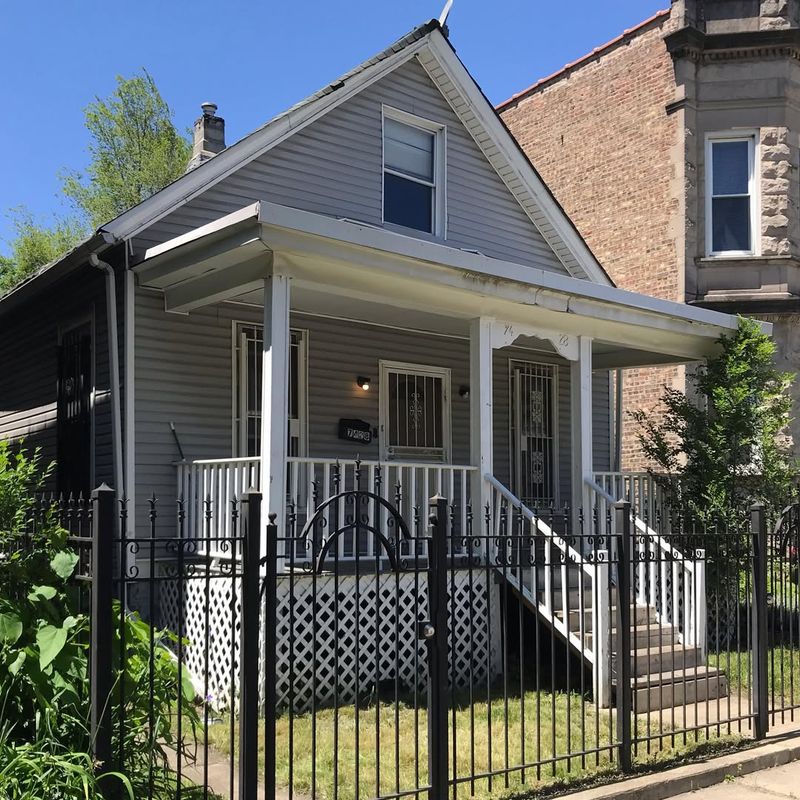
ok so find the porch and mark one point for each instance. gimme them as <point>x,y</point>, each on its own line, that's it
<point>340,358</point>
<point>447,367</point>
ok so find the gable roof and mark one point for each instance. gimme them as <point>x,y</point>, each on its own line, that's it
<point>431,47</point>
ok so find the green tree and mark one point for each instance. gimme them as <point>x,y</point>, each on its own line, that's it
<point>135,151</point>
<point>36,244</point>
<point>725,443</point>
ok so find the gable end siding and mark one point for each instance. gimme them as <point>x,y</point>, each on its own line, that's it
<point>334,167</point>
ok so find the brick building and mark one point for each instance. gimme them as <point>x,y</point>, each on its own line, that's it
<point>703,95</point>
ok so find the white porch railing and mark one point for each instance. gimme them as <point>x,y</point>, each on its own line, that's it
<point>210,488</point>
<point>662,573</point>
<point>640,489</point>
<point>406,486</point>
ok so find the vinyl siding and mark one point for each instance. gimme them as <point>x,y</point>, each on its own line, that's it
<point>184,375</point>
<point>334,167</point>
<point>29,369</point>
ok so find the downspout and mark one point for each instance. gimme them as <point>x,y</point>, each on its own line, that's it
<point>113,361</point>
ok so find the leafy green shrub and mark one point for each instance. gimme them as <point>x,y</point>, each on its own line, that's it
<point>722,444</point>
<point>44,654</point>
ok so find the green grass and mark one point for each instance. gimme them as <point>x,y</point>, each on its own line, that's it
<point>783,667</point>
<point>514,740</point>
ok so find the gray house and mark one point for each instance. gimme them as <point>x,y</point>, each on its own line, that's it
<point>377,273</point>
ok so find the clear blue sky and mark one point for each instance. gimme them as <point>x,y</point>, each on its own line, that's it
<point>252,58</point>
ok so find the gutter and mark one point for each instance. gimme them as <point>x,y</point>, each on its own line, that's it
<point>97,243</point>
<point>113,360</point>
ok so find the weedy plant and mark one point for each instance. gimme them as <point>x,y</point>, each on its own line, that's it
<point>45,737</point>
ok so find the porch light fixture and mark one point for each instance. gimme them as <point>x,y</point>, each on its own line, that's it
<point>463,391</point>
<point>363,383</point>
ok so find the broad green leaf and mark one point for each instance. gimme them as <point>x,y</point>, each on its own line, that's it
<point>187,687</point>
<point>16,664</point>
<point>64,563</point>
<point>41,593</point>
<point>10,628</point>
<point>50,641</point>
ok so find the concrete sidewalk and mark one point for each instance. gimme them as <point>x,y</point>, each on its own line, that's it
<point>777,782</point>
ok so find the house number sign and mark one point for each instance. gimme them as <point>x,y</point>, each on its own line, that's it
<point>355,430</point>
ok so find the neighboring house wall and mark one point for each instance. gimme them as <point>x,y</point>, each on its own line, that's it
<point>334,167</point>
<point>29,341</point>
<point>184,374</point>
<point>620,137</point>
<point>601,138</point>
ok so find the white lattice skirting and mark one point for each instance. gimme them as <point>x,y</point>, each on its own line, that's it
<point>374,644</point>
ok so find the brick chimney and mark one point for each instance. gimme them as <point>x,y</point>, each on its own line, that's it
<point>209,136</point>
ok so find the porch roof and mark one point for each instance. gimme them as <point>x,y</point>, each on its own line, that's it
<point>362,272</point>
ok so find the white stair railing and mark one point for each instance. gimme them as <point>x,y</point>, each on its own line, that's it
<point>661,571</point>
<point>534,581</point>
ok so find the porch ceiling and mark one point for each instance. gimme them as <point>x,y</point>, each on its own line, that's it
<point>347,269</point>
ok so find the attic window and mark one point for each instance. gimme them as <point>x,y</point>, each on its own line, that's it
<point>413,190</point>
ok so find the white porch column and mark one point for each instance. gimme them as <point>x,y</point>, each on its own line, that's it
<point>274,398</point>
<point>581,402</point>
<point>480,408</point>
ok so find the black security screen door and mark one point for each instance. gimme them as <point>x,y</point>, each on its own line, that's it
<point>75,411</point>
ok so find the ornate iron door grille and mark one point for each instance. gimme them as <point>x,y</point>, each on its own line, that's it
<point>533,433</point>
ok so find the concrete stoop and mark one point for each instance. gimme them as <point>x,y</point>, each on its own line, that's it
<point>664,672</point>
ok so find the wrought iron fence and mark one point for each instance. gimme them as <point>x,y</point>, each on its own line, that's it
<point>442,653</point>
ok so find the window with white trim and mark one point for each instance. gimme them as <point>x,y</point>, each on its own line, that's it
<point>415,412</point>
<point>413,175</point>
<point>247,402</point>
<point>731,221</point>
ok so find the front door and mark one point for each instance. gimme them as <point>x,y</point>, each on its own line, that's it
<point>415,412</point>
<point>74,412</point>
<point>534,421</point>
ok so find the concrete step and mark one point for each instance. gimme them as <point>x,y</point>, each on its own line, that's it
<point>677,687</point>
<point>641,614</point>
<point>651,635</point>
<point>573,598</point>
<point>653,660</point>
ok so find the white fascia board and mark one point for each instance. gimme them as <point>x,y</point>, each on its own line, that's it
<point>188,186</point>
<point>509,149</point>
<point>243,214</point>
<point>571,290</point>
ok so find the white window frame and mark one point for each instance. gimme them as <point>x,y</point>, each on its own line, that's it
<point>751,137</point>
<point>439,185</point>
<point>238,431</point>
<point>384,368</point>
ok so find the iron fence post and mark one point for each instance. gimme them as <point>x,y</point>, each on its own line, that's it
<point>622,520</point>
<point>248,651</point>
<point>437,651</point>
<point>270,653</point>
<point>102,622</point>
<point>758,527</point>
